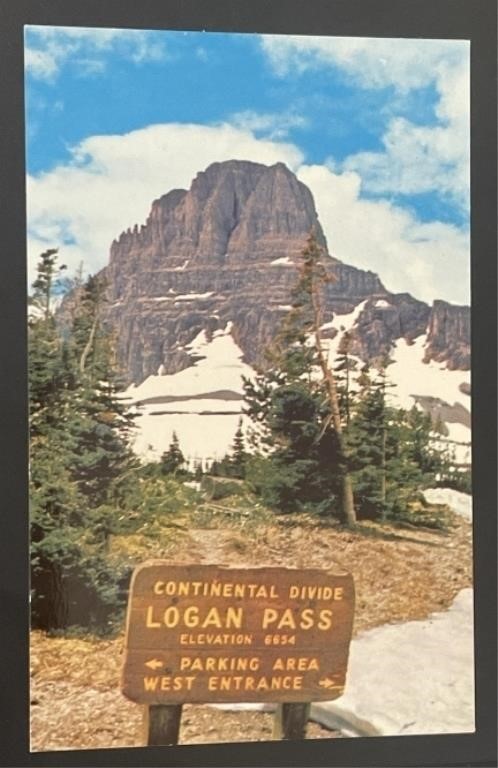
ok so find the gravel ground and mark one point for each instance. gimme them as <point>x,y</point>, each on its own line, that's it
<point>65,716</point>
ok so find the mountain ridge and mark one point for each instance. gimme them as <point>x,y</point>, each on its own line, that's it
<point>227,250</point>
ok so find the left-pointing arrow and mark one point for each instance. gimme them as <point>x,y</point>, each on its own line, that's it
<point>153,663</point>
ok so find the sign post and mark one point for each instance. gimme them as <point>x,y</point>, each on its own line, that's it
<point>291,720</point>
<point>207,633</point>
<point>161,724</point>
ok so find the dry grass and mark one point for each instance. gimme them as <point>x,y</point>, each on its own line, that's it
<point>399,573</point>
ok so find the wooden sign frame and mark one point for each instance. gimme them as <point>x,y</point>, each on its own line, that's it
<point>208,633</point>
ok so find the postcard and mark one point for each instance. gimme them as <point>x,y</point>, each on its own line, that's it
<point>250,387</point>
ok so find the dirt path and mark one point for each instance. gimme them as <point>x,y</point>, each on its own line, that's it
<point>400,574</point>
<point>210,544</point>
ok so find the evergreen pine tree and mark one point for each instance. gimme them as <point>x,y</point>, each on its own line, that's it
<point>392,451</point>
<point>292,408</point>
<point>48,280</point>
<point>316,280</point>
<point>173,459</point>
<point>343,368</point>
<point>77,450</point>
<point>367,445</point>
<point>100,424</point>
<point>238,453</point>
<point>47,366</point>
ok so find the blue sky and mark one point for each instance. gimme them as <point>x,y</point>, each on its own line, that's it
<point>378,129</point>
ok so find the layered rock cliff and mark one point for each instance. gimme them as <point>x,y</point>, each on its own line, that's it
<point>227,251</point>
<point>448,335</point>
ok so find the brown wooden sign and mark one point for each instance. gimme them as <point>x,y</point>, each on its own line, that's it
<point>205,633</point>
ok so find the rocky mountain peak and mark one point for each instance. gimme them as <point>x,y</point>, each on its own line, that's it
<point>233,210</point>
<point>226,251</point>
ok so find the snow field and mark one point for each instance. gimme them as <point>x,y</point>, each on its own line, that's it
<point>416,677</point>
<point>220,367</point>
<point>411,678</point>
<point>414,377</point>
<point>460,503</point>
<point>203,436</point>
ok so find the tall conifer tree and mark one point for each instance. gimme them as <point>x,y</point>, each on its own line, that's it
<point>172,460</point>
<point>78,451</point>
<point>316,278</point>
<point>297,413</point>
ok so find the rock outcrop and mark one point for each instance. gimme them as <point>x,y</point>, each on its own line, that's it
<point>448,335</point>
<point>382,320</point>
<point>227,250</point>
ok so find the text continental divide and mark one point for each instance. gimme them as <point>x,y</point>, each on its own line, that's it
<point>239,590</point>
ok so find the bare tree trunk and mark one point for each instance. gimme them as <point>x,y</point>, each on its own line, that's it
<point>348,509</point>
<point>48,296</point>
<point>347,498</point>
<point>383,475</point>
<point>89,344</point>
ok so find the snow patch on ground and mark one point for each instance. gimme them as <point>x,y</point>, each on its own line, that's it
<point>460,433</point>
<point>283,260</point>
<point>195,406</point>
<point>221,367</point>
<point>343,322</point>
<point>414,377</point>
<point>460,443</point>
<point>193,296</point>
<point>410,375</point>
<point>206,435</point>
<point>460,503</point>
<point>203,437</point>
<point>411,678</point>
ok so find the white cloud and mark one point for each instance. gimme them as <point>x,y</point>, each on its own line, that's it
<point>48,49</point>
<point>371,62</point>
<point>429,260</point>
<point>111,181</point>
<point>40,63</point>
<point>273,125</point>
<point>416,158</point>
<point>421,158</point>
